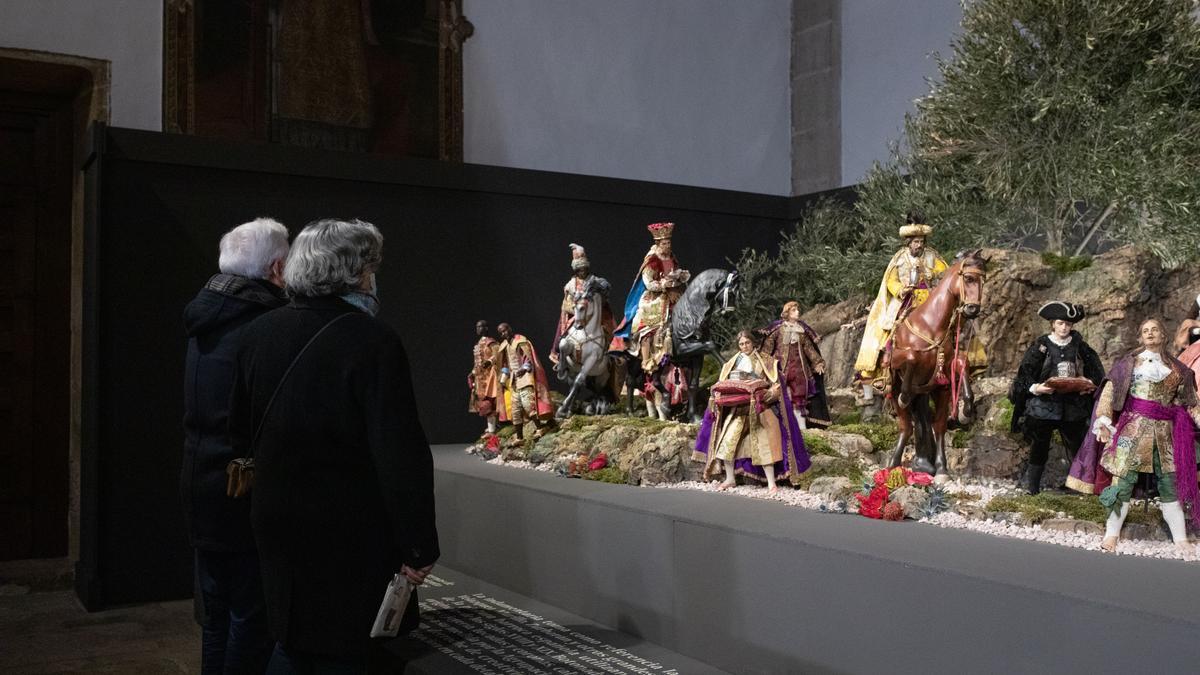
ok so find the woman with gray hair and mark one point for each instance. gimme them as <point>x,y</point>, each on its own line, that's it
<point>343,483</point>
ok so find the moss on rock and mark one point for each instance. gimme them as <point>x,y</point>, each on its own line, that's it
<point>840,466</point>
<point>882,435</point>
<point>1066,264</point>
<point>609,474</point>
<point>1046,505</point>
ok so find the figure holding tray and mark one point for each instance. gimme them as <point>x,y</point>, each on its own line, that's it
<point>1053,387</point>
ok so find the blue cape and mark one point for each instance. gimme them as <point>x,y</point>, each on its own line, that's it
<point>631,306</point>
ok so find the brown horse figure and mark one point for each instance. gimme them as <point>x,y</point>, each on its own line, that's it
<point>928,361</point>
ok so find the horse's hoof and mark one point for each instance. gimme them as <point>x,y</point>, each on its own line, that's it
<point>924,466</point>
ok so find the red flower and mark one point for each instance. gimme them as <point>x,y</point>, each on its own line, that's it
<point>492,442</point>
<point>919,478</point>
<point>880,477</point>
<point>872,505</point>
<point>893,511</point>
<point>598,462</point>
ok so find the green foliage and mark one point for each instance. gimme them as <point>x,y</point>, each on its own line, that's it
<point>852,417</point>
<point>883,435</point>
<point>609,474</point>
<point>843,466</point>
<point>601,423</point>
<point>1047,505</point>
<point>962,437</point>
<point>815,445</point>
<point>709,372</point>
<point>1065,264</point>
<point>1003,420</point>
<point>826,258</point>
<point>1048,121</point>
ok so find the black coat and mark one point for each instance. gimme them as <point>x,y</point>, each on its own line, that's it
<point>343,486</point>
<point>214,321</point>
<point>1038,365</point>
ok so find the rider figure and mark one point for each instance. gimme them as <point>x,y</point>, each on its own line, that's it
<point>909,276</point>
<point>659,283</point>
<point>582,275</point>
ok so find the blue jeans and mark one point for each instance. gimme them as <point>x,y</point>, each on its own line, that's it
<point>234,637</point>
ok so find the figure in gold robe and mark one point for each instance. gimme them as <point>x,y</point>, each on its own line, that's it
<point>647,325</point>
<point>910,275</point>
<point>526,396</point>
<point>484,378</point>
<point>748,428</point>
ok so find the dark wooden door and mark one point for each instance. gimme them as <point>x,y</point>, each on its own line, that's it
<point>35,216</point>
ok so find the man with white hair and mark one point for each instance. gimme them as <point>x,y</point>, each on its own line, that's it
<point>230,593</point>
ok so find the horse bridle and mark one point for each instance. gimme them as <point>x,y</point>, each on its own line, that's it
<point>962,291</point>
<point>962,284</point>
<point>726,289</point>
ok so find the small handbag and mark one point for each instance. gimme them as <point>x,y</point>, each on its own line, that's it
<point>239,476</point>
<point>240,472</point>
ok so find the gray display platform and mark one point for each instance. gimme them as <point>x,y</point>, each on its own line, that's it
<point>752,586</point>
<point>470,627</point>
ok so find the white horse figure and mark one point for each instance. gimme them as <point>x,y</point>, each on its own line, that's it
<point>583,350</point>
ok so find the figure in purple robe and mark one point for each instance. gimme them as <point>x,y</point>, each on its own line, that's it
<point>1143,422</point>
<point>748,428</point>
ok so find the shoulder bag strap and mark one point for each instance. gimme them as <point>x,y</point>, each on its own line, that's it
<point>270,401</point>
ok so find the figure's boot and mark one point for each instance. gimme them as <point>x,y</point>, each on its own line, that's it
<point>1112,528</point>
<point>664,408</point>
<point>491,424</point>
<point>1177,522</point>
<point>1033,478</point>
<point>800,418</point>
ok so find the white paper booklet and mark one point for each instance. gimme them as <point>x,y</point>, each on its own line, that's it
<point>391,610</point>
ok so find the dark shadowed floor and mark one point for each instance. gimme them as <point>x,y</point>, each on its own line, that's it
<point>44,629</point>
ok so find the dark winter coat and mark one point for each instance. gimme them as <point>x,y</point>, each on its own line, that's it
<point>1038,365</point>
<point>215,320</point>
<point>343,486</point>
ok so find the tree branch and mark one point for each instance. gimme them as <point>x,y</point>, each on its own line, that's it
<point>1112,207</point>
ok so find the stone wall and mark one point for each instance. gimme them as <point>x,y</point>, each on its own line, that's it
<point>1119,290</point>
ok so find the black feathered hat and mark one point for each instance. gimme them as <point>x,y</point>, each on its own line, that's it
<point>1058,310</point>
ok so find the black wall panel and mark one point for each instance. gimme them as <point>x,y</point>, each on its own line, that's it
<point>462,243</point>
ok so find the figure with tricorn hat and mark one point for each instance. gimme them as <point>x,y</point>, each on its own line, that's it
<point>1051,391</point>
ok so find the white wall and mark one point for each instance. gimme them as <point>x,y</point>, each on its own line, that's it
<point>886,48</point>
<point>126,32</point>
<point>680,91</point>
